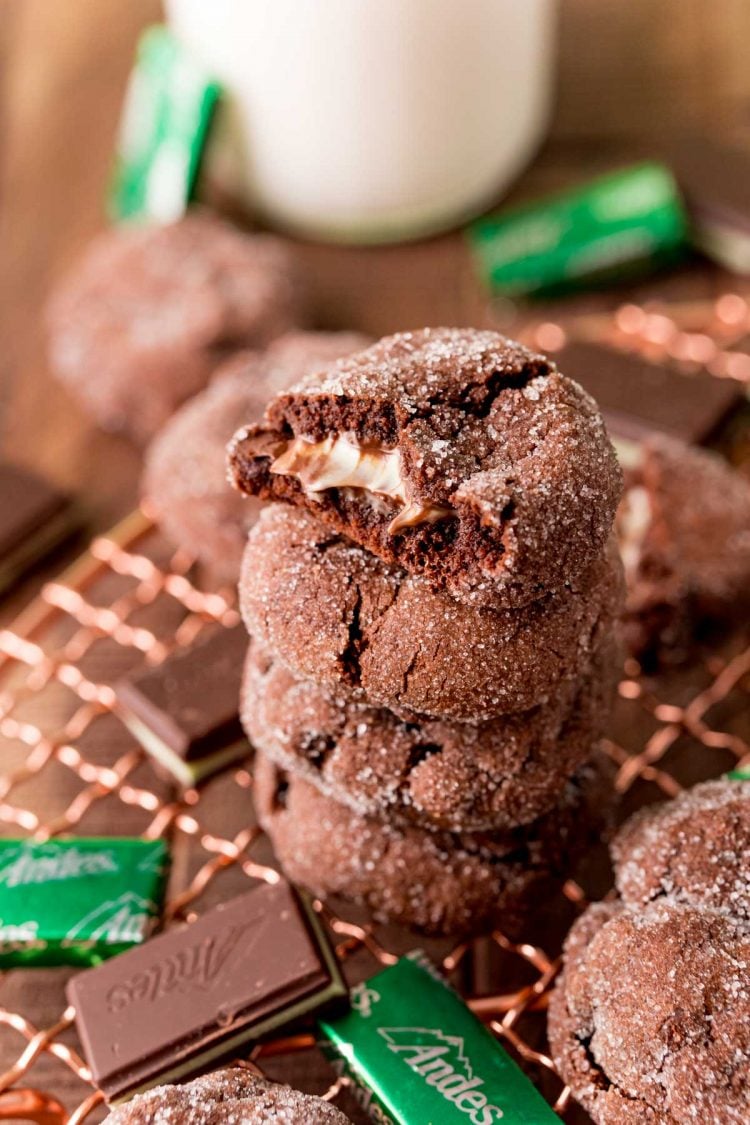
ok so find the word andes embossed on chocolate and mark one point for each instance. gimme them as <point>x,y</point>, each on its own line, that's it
<point>77,901</point>
<point>196,994</point>
<point>185,711</point>
<point>638,398</point>
<point>417,1055</point>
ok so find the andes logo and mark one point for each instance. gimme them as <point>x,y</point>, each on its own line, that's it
<point>363,998</point>
<point>28,868</point>
<point>125,919</point>
<point>195,967</point>
<point>20,933</point>
<point>441,1061</point>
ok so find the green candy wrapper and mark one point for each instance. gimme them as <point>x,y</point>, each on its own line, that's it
<point>77,901</point>
<point>618,225</point>
<point>168,109</point>
<point>419,1057</point>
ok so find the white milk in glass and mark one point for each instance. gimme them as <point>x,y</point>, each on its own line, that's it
<point>372,119</point>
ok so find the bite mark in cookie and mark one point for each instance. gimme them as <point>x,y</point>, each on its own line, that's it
<point>455,454</point>
<point>342,462</point>
<point>185,479</point>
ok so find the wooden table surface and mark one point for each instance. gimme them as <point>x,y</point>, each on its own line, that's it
<point>63,67</point>
<point>62,71</point>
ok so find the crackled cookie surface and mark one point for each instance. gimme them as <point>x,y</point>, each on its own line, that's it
<point>684,532</point>
<point>185,478</point>
<point>335,613</point>
<point>454,453</point>
<point>234,1096</point>
<point>436,774</point>
<point>650,1020</point>
<point>143,319</point>
<point>439,882</point>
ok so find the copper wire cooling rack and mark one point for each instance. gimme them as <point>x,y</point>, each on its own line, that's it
<point>68,764</point>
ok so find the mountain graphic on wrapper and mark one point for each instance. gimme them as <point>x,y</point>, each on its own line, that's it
<point>440,1060</point>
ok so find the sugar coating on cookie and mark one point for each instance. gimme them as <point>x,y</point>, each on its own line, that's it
<point>234,1096</point>
<point>456,454</point>
<point>335,613</point>
<point>684,531</point>
<point>143,319</point>
<point>185,478</point>
<point>694,850</point>
<point>650,1020</point>
<point>435,774</point>
<point>439,882</point>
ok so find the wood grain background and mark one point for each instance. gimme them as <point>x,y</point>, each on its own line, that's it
<point>629,70</point>
<point>639,68</point>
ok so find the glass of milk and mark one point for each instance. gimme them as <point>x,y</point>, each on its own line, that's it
<point>372,120</point>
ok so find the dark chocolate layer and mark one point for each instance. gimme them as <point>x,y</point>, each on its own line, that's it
<point>188,996</point>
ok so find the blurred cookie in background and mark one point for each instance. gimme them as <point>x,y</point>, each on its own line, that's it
<point>143,318</point>
<point>684,532</point>
<point>185,479</point>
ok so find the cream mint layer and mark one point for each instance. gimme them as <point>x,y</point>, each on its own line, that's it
<point>340,462</point>
<point>633,522</point>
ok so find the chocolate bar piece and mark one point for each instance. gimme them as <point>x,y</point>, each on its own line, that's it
<point>196,994</point>
<point>34,519</point>
<point>168,110</point>
<point>416,1054</point>
<point>616,226</point>
<point>77,901</point>
<point>715,182</point>
<point>184,711</point>
<point>637,397</point>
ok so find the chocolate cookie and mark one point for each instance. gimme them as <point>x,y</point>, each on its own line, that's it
<point>143,319</point>
<point>460,776</point>
<point>334,613</point>
<point>694,849</point>
<point>227,1097</point>
<point>439,882</point>
<point>684,532</point>
<point>185,480</point>
<point>455,454</point>
<point>650,1020</point>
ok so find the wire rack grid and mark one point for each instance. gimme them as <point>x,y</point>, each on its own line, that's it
<point>68,764</point>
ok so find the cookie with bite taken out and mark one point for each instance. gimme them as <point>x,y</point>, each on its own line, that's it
<point>455,454</point>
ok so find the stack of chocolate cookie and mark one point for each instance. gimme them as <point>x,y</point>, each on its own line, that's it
<point>432,608</point>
